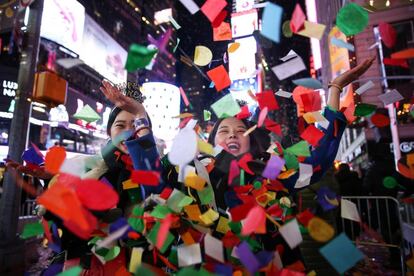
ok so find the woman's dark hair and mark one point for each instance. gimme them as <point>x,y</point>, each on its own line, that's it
<point>259,138</point>
<point>112,116</point>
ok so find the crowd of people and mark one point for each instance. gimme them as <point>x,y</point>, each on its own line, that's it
<point>223,195</point>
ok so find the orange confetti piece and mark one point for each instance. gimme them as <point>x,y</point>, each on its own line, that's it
<point>54,159</point>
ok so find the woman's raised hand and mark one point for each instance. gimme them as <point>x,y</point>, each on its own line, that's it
<point>115,96</point>
<point>353,74</point>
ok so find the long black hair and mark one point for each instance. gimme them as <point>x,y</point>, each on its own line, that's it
<point>259,138</point>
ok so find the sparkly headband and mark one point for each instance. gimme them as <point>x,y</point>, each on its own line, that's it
<point>132,90</point>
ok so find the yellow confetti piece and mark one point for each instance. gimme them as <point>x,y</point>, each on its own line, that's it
<point>309,118</point>
<point>223,225</point>
<point>250,130</point>
<point>209,217</point>
<point>311,273</point>
<point>128,184</point>
<point>183,115</point>
<point>205,147</point>
<point>320,230</point>
<point>233,47</point>
<point>194,181</point>
<point>136,259</point>
<point>287,174</point>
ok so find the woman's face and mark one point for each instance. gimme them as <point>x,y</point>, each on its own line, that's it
<point>230,136</point>
<point>123,122</point>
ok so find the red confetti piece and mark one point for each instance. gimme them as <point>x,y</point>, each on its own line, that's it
<point>96,195</point>
<point>54,159</point>
<point>267,99</point>
<point>380,120</point>
<point>150,178</point>
<point>312,135</point>
<point>388,34</point>
<point>297,21</point>
<point>262,116</point>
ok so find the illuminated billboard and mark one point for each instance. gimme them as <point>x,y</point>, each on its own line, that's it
<point>242,62</point>
<point>102,53</point>
<point>339,57</point>
<point>62,22</point>
<point>244,5</point>
<point>244,23</point>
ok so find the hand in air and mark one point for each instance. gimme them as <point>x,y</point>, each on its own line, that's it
<point>353,74</point>
<point>114,95</point>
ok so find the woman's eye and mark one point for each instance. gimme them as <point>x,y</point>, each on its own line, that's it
<point>241,131</point>
<point>119,126</point>
<point>223,132</point>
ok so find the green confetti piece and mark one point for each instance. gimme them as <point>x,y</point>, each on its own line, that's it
<point>390,182</point>
<point>144,270</point>
<point>226,107</point>
<point>160,211</point>
<point>206,195</point>
<point>74,271</point>
<point>352,19</point>
<point>291,161</point>
<point>178,200</point>
<point>153,236</point>
<point>102,251</point>
<point>254,244</point>
<point>286,30</point>
<point>135,220</point>
<point>94,240</point>
<point>32,230</point>
<point>173,257</point>
<point>87,114</point>
<point>235,226</point>
<point>257,185</point>
<point>303,229</point>
<point>139,56</point>
<point>112,253</point>
<point>207,115</point>
<point>363,109</point>
<point>176,45</point>
<point>299,149</point>
<point>242,177</point>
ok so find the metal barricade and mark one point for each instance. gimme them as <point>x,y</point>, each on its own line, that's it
<point>381,214</point>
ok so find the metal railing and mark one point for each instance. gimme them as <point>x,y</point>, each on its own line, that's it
<point>27,209</point>
<point>383,215</point>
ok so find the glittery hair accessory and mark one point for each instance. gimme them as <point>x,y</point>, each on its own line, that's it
<point>132,90</point>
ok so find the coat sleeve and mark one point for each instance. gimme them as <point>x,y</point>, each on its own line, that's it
<point>324,154</point>
<point>143,152</point>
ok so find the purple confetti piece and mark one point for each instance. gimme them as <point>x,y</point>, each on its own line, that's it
<point>273,167</point>
<point>247,257</point>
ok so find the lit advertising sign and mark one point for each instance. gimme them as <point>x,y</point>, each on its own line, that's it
<point>62,22</point>
<point>339,57</point>
<point>244,5</point>
<point>242,62</point>
<point>244,23</point>
<point>162,104</point>
<point>102,53</point>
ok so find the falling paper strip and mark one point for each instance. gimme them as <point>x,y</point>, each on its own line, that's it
<point>291,233</point>
<point>308,82</point>
<point>135,260</point>
<point>342,44</point>
<point>289,55</point>
<point>174,23</point>
<point>349,210</point>
<point>271,20</point>
<point>190,5</point>
<point>283,94</point>
<point>313,30</point>
<point>390,97</point>
<point>289,68</point>
<point>366,86</point>
<point>226,107</point>
<point>87,114</point>
<point>189,255</point>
